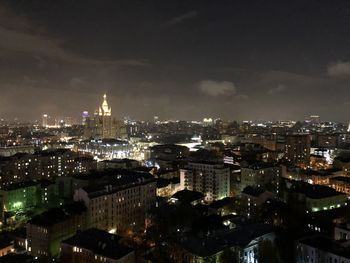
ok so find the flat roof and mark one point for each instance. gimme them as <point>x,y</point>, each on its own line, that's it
<point>100,243</point>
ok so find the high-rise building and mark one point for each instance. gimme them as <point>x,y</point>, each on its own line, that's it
<point>45,120</point>
<point>297,149</point>
<point>211,179</point>
<point>102,125</point>
<point>85,116</point>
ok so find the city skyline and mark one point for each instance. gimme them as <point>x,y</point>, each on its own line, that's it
<point>246,60</point>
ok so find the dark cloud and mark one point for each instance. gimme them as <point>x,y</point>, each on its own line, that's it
<point>217,88</point>
<point>181,18</point>
<point>279,89</point>
<point>339,68</point>
<point>176,59</point>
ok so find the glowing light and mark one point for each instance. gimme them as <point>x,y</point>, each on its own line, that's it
<point>17,205</point>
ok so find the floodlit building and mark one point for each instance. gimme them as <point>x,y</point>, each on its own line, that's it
<point>102,125</point>
<point>211,179</point>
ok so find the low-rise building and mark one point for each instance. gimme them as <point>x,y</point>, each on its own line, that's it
<point>119,202</point>
<point>118,164</point>
<point>319,249</point>
<point>6,247</point>
<point>313,198</point>
<point>241,241</point>
<point>260,174</point>
<point>253,197</point>
<point>46,231</point>
<point>95,245</point>
<point>340,184</point>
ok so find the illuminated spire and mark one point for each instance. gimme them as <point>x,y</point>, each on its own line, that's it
<point>105,110</point>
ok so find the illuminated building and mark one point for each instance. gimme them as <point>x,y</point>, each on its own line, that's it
<point>156,119</point>
<point>119,202</point>
<point>22,197</point>
<point>297,149</point>
<point>261,174</point>
<point>102,125</point>
<point>105,148</point>
<point>6,247</point>
<point>83,247</point>
<point>340,184</point>
<point>19,197</point>
<point>12,150</point>
<point>85,116</point>
<point>43,165</point>
<point>314,198</point>
<point>208,122</point>
<point>211,179</point>
<point>46,231</point>
<point>45,120</point>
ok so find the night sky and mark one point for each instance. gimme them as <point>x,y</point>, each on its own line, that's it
<point>176,59</point>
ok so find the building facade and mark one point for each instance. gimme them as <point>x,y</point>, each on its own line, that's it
<point>46,231</point>
<point>119,205</point>
<point>211,179</point>
<point>297,149</point>
<point>102,125</point>
<point>83,247</point>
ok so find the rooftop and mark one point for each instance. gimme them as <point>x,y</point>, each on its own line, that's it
<point>313,191</point>
<point>187,196</point>
<point>116,180</point>
<point>57,215</point>
<point>259,165</point>
<point>240,236</point>
<point>253,191</point>
<point>343,179</point>
<point>100,243</point>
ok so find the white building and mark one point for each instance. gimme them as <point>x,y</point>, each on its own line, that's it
<point>121,204</point>
<point>212,179</point>
<point>320,249</point>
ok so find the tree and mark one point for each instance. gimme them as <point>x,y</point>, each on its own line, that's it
<point>229,256</point>
<point>267,252</point>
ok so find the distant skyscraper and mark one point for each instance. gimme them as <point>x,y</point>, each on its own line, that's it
<point>208,121</point>
<point>102,125</point>
<point>314,119</point>
<point>45,120</point>
<point>156,119</point>
<point>85,116</point>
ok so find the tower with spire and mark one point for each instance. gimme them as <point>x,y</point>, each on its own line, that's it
<point>102,125</point>
<point>104,109</point>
